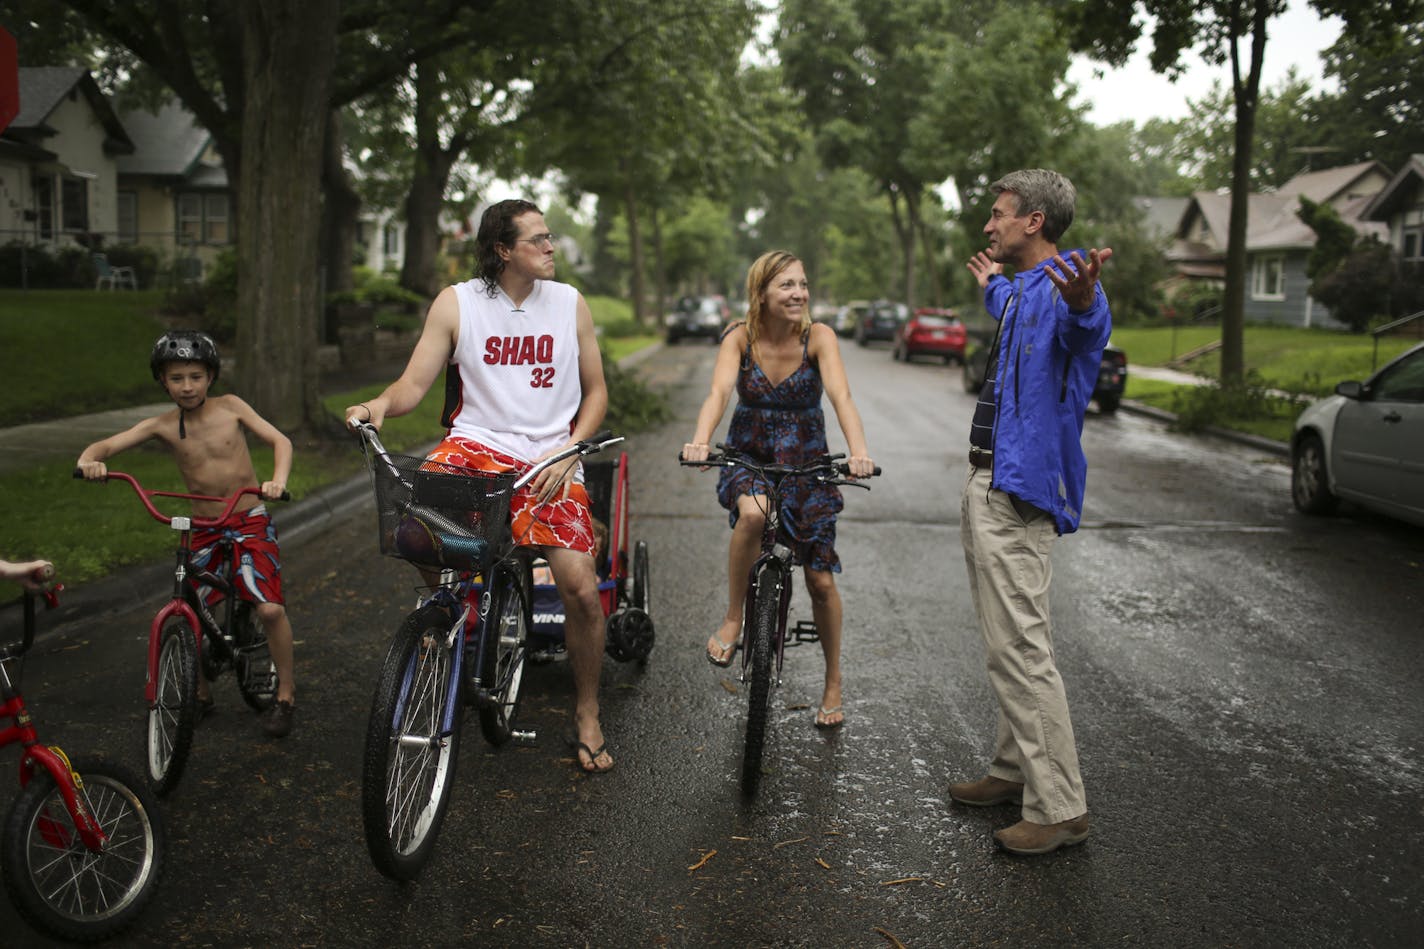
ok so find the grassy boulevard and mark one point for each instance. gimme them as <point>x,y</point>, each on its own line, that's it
<point>65,353</point>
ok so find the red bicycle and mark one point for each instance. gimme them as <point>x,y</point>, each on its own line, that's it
<point>83,844</point>
<point>186,635</point>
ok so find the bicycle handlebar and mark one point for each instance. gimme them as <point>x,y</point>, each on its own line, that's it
<point>147,495</point>
<point>591,445</point>
<point>51,598</point>
<point>727,457</point>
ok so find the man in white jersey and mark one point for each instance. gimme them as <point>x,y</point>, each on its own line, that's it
<point>531,384</point>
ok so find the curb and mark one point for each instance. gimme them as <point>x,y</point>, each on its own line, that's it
<point>1280,449</point>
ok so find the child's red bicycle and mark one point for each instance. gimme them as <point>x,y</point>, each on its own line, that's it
<point>83,844</point>
<point>186,635</point>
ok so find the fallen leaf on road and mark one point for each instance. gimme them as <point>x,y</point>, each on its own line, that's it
<point>729,686</point>
<point>902,880</point>
<point>705,857</point>
<point>893,941</point>
<point>787,843</point>
<point>823,863</point>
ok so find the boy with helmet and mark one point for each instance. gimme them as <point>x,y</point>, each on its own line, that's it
<point>206,435</point>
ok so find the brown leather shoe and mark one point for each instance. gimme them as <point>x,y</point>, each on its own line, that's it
<point>1028,838</point>
<point>987,791</point>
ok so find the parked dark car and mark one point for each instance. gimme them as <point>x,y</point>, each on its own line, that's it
<point>1112,376</point>
<point>880,321</point>
<point>702,317</point>
<point>1365,444</point>
<point>932,332</point>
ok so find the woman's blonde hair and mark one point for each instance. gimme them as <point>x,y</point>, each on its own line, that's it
<point>766,269</point>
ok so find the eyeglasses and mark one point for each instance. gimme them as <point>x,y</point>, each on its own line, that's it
<point>538,240</point>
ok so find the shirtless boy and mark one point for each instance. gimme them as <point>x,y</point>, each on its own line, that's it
<point>206,435</point>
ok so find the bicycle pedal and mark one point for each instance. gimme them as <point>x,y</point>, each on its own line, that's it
<point>803,632</point>
<point>524,736</point>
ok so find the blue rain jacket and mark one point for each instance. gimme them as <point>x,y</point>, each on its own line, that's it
<point>1049,357</point>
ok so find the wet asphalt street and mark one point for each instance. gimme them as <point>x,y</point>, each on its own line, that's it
<point>1245,685</point>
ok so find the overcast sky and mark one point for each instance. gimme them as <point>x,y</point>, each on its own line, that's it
<point>1296,38</point>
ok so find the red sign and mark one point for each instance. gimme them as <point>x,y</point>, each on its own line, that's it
<point>9,79</point>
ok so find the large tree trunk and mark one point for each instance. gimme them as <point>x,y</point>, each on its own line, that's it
<point>635,251</point>
<point>659,270</point>
<point>905,231</point>
<point>289,50</point>
<point>342,211</point>
<point>426,197</point>
<point>1233,312</point>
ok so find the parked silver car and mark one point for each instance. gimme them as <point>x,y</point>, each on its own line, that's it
<point>1365,444</point>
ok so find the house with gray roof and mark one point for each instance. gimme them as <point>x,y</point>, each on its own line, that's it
<point>1399,208</point>
<point>1278,243</point>
<point>58,181</point>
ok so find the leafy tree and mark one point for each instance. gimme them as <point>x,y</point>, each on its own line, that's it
<point>1334,239</point>
<point>1287,139</point>
<point>866,72</point>
<point>1108,30</point>
<point>262,76</point>
<point>1378,110</point>
<point>1360,287</point>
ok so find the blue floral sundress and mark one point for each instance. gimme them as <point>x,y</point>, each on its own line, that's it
<point>784,423</point>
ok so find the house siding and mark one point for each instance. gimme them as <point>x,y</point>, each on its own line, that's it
<point>1295,308</point>
<point>15,199</point>
<point>79,144</point>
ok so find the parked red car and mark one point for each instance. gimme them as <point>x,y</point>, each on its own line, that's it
<point>932,332</point>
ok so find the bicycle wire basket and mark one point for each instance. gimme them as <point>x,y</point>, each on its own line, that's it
<point>441,515</point>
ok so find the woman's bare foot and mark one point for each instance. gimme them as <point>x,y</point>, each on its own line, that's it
<point>722,645</point>
<point>829,715</point>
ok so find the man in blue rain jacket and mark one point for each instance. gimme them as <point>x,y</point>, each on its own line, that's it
<point>1024,488</point>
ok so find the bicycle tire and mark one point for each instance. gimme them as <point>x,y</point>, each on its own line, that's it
<point>252,659</point>
<point>765,614</point>
<point>58,885</point>
<point>408,768</point>
<point>174,712</point>
<point>505,643</point>
<point>642,578</point>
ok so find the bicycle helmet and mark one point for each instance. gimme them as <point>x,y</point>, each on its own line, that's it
<point>185,346</point>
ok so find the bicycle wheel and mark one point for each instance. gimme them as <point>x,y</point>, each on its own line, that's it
<point>642,578</point>
<point>504,644</point>
<point>764,621</point>
<point>56,882</point>
<point>174,711</point>
<point>252,662</point>
<point>409,764</point>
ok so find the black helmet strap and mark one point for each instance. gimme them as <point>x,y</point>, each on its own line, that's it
<point>182,432</point>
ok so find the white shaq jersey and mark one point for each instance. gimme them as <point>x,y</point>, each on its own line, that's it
<point>519,368</point>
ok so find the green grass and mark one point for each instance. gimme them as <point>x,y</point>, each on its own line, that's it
<point>67,352</point>
<point>1309,361</point>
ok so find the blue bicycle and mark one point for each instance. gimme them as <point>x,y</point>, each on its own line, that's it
<point>466,642</point>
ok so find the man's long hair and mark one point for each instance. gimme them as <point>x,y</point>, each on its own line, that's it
<point>497,227</point>
<point>766,269</point>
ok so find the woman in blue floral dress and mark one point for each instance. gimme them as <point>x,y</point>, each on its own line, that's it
<point>779,364</point>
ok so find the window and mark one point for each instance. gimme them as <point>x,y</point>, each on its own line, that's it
<point>44,206</point>
<point>1268,278</point>
<point>215,218</point>
<point>190,218</point>
<point>128,217</point>
<point>390,245</point>
<point>203,219</point>
<point>1404,382</point>
<point>74,204</point>
<point>1413,245</point>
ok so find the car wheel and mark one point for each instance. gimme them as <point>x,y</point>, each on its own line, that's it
<point>1310,482</point>
<point>971,384</point>
<point>899,354</point>
<point>1107,404</point>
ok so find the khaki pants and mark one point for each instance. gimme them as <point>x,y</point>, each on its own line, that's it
<point>1006,549</point>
